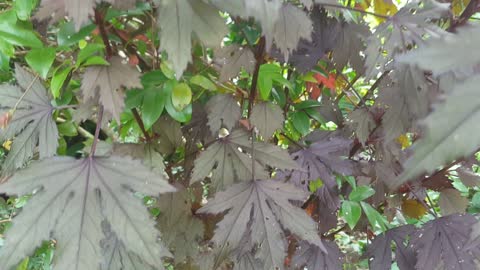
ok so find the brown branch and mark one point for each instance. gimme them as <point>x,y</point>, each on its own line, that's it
<point>353,9</point>
<point>139,121</point>
<point>132,49</point>
<point>97,131</point>
<point>373,87</point>
<point>259,60</point>
<point>99,21</point>
<point>468,12</point>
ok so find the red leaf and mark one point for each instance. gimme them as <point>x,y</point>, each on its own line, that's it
<point>327,82</point>
<point>314,91</point>
<point>133,60</point>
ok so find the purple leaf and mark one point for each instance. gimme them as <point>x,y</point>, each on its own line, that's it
<point>380,254</point>
<point>440,243</point>
<point>312,257</point>
<point>71,200</point>
<point>308,53</point>
<point>264,208</point>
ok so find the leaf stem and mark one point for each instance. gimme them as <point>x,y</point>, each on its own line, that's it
<point>431,203</point>
<point>99,21</point>
<point>292,140</point>
<point>97,131</point>
<point>66,107</point>
<point>429,208</point>
<point>372,88</point>
<point>24,94</point>
<point>259,59</point>
<point>139,120</point>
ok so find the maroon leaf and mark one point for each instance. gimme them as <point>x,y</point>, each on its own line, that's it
<point>380,254</point>
<point>324,37</point>
<point>264,208</point>
<point>312,257</point>
<point>440,243</point>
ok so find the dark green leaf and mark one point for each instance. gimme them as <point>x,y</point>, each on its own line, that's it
<point>41,60</point>
<point>153,105</point>
<point>361,193</point>
<point>301,122</point>
<point>352,212</point>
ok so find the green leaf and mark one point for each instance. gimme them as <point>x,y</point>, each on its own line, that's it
<point>361,193</point>
<point>154,78</point>
<point>58,79</point>
<point>181,96</point>
<point>87,52</point>
<point>167,70</point>
<point>134,99</point>
<point>265,79</point>
<point>67,36</point>
<point>315,114</point>
<point>268,74</point>
<point>95,61</point>
<point>181,116</point>
<point>203,82</point>
<point>376,220</point>
<point>307,104</point>
<point>17,34</point>
<point>301,122</point>
<point>4,61</point>
<point>352,212</point>
<point>41,60</point>
<point>475,202</point>
<point>23,265</point>
<point>153,105</point>
<point>313,186</point>
<point>24,8</point>
<point>68,129</point>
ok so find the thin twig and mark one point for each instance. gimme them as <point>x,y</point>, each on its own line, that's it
<point>66,107</point>
<point>431,203</point>
<point>292,140</point>
<point>350,86</point>
<point>433,212</point>
<point>373,87</point>
<point>139,120</point>
<point>5,220</point>
<point>354,9</point>
<point>97,131</point>
<point>253,155</point>
<point>24,94</point>
<point>259,58</point>
<point>99,21</point>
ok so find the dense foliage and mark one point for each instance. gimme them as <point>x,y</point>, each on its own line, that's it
<point>239,134</point>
